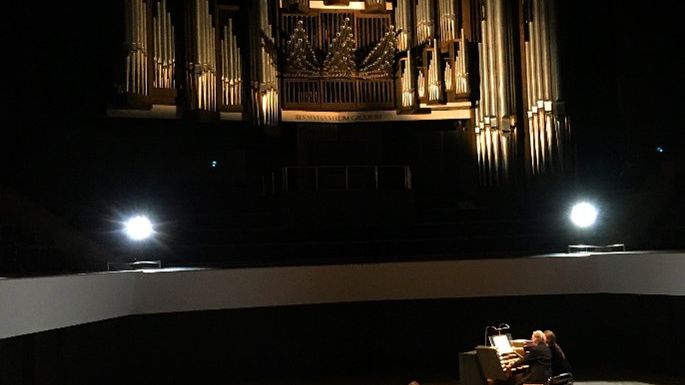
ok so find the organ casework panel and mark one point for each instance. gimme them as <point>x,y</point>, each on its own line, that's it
<point>338,60</point>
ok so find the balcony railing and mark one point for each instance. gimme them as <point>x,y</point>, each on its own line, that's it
<point>338,94</point>
<point>346,178</point>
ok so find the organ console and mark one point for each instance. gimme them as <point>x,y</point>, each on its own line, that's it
<point>486,364</point>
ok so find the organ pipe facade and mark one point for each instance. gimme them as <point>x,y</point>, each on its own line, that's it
<point>489,63</point>
<point>547,127</point>
<point>201,61</point>
<point>136,47</point>
<point>164,47</point>
<point>264,59</point>
<point>231,68</point>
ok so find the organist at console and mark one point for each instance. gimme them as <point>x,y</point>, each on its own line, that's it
<point>507,361</point>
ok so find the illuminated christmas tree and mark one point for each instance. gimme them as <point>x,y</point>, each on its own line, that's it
<point>340,58</point>
<point>380,60</point>
<point>301,60</point>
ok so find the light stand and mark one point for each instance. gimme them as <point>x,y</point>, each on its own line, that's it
<point>498,329</point>
<point>139,231</point>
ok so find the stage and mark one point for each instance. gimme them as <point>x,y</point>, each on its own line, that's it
<point>384,323</point>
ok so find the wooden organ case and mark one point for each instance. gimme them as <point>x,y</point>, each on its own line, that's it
<point>337,59</point>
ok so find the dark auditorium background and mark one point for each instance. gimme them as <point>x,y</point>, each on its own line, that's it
<point>66,165</point>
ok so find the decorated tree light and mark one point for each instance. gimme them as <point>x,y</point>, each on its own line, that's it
<point>301,60</point>
<point>379,62</point>
<point>339,61</point>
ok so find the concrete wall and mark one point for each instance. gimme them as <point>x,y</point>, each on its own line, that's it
<point>33,305</point>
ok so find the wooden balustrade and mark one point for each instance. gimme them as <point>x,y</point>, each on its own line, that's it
<point>338,94</point>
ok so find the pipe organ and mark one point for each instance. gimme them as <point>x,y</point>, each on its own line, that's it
<point>490,63</point>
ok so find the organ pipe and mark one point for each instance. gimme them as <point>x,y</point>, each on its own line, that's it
<point>434,82</point>
<point>403,24</point>
<point>542,88</point>
<point>164,51</point>
<point>462,74</point>
<point>501,64</point>
<point>545,59</point>
<point>407,86</point>
<point>425,21</point>
<point>202,76</point>
<point>449,77</point>
<point>412,79</point>
<point>448,20</point>
<point>136,47</point>
<point>266,93</point>
<point>231,73</point>
<point>491,50</point>
<point>421,85</point>
<point>495,58</point>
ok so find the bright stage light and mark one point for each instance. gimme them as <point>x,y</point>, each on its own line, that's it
<point>583,214</point>
<point>138,228</point>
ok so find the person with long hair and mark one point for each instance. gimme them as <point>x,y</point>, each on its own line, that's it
<point>559,362</point>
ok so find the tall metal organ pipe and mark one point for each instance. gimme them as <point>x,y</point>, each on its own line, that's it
<point>136,47</point>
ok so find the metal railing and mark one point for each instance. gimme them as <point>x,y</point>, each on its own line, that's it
<point>346,178</point>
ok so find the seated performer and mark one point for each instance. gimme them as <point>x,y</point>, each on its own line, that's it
<point>538,358</point>
<point>559,362</point>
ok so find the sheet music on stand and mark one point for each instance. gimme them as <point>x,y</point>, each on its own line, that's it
<point>502,343</point>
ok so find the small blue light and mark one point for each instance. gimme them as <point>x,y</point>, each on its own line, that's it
<point>659,149</point>
<point>214,163</point>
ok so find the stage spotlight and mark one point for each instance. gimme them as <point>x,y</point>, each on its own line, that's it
<point>583,214</point>
<point>138,228</point>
